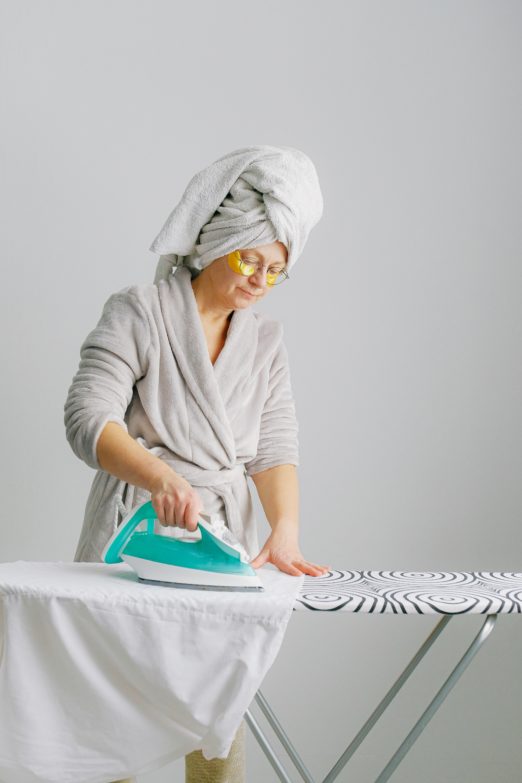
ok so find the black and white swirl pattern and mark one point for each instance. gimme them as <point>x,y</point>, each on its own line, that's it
<point>414,592</point>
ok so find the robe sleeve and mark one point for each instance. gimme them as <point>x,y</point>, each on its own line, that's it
<point>112,358</point>
<point>278,436</point>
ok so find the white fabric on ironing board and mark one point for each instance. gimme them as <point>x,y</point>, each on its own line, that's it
<point>146,366</point>
<point>103,677</point>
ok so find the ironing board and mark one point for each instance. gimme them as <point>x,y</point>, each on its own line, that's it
<point>379,592</point>
<point>399,592</point>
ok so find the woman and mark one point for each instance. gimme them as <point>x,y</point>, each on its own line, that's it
<point>183,391</point>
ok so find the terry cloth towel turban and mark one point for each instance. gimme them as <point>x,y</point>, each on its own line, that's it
<point>249,197</point>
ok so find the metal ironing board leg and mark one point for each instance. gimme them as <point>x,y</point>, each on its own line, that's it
<point>395,760</point>
<point>486,628</point>
<point>350,750</point>
<point>266,747</point>
<point>278,729</point>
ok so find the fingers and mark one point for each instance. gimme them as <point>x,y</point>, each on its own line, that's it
<point>299,567</point>
<point>186,514</point>
<point>193,509</point>
<point>311,568</point>
<point>174,511</point>
<point>288,568</point>
<point>260,560</point>
<point>177,507</point>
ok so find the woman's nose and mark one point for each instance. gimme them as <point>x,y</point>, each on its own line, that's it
<point>259,277</point>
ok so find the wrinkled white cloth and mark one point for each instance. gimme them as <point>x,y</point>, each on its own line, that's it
<point>103,677</point>
<point>249,197</point>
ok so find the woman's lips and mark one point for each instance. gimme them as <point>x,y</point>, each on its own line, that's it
<point>247,293</point>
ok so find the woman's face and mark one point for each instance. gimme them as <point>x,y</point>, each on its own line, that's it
<point>237,291</point>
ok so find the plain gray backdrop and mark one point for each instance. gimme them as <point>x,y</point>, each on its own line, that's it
<point>402,317</point>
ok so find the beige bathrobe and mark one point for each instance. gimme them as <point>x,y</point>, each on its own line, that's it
<point>146,366</point>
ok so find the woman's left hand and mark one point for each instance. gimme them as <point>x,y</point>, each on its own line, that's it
<point>284,552</point>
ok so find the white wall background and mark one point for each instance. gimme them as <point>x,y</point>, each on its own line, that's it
<point>402,318</point>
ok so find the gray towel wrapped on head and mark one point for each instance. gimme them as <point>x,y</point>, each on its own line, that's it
<point>252,196</point>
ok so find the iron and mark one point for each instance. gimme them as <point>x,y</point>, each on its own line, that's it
<point>213,561</point>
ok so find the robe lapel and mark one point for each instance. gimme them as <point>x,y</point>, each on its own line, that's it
<point>233,369</point>
<point>217,389</point>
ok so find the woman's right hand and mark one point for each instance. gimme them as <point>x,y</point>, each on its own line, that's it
<point>175,501</point>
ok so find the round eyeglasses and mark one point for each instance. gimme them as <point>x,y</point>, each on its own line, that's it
<point>243,265</point>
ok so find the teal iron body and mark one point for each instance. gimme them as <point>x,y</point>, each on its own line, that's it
<point>215,561</point>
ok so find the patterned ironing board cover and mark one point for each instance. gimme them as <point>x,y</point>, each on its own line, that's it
<point>413,592</point>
